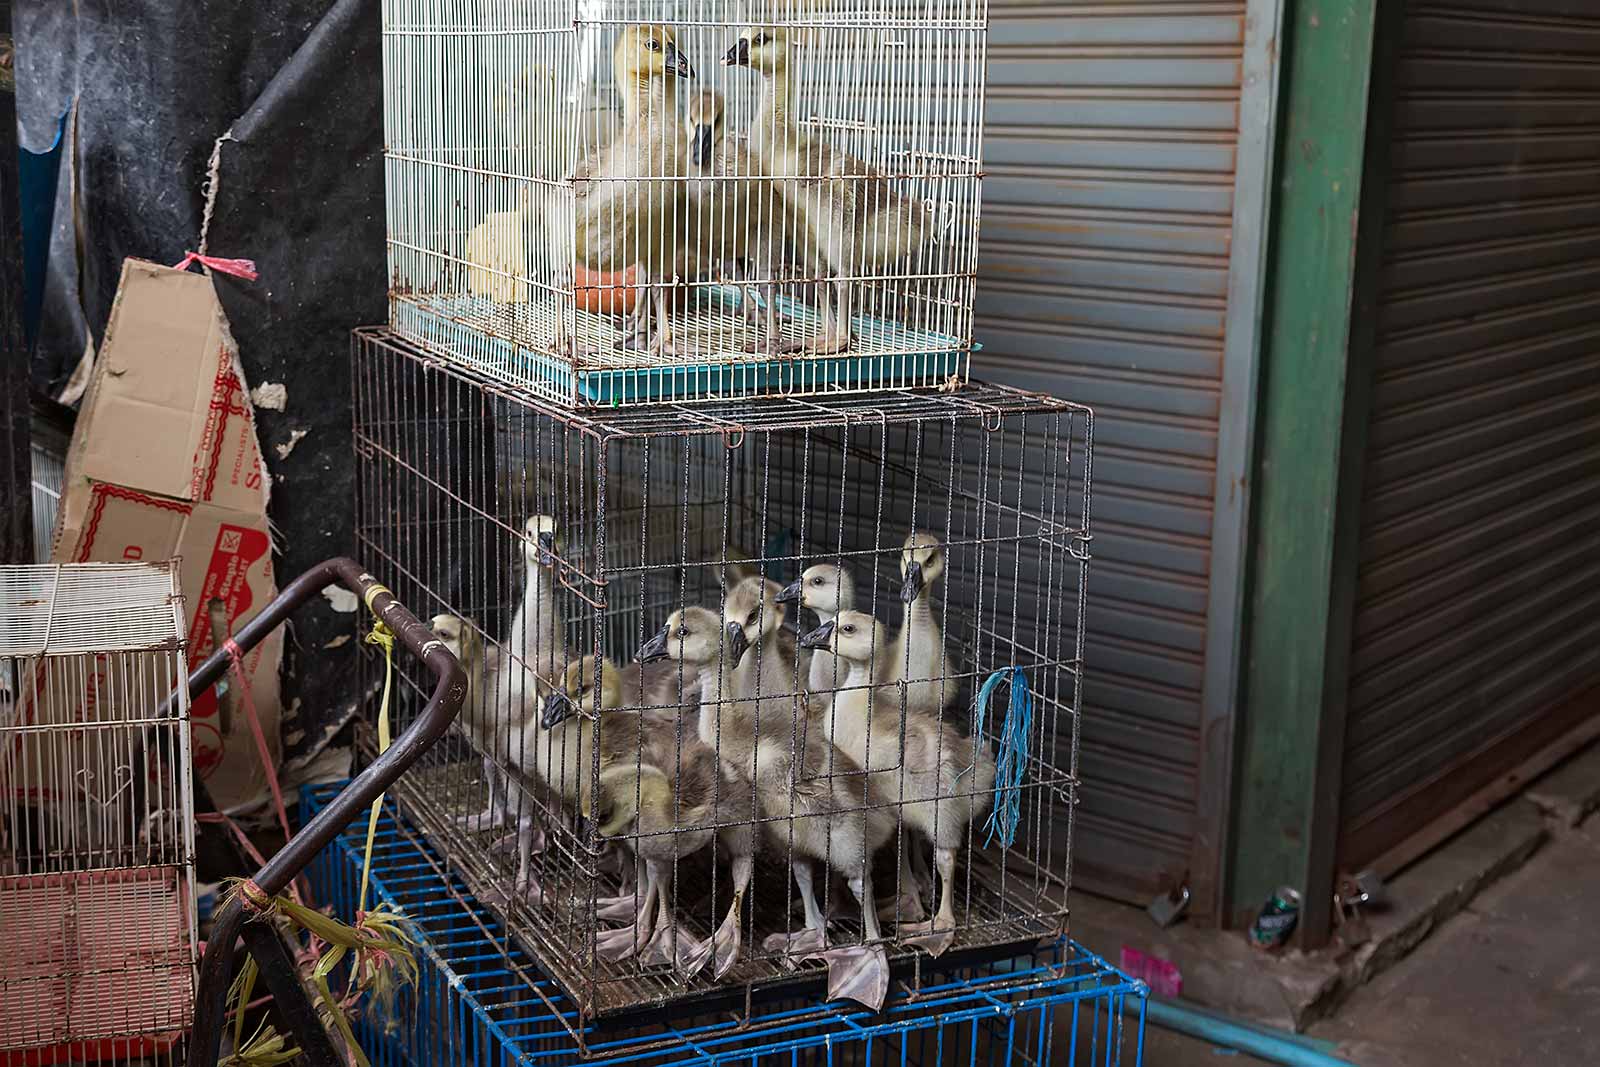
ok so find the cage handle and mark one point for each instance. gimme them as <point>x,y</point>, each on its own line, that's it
<point>449,692</point>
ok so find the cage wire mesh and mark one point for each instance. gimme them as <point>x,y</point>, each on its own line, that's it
<point>643,602</point>
<point>97,922</point>
<point>625,201</point>
<point>481,998</point>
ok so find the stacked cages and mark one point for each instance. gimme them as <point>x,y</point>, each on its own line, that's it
<point>97,922</point>
<point>481,1000</point>
<point>608,808</point>
<point>630,201</point>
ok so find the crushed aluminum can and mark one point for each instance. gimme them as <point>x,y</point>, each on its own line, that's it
<point>1276,920</point>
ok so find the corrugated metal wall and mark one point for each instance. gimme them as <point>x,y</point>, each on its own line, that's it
<point>1110,156</point>
<point>1478,607</point>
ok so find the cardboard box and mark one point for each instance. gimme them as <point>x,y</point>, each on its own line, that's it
<point>164,462</point>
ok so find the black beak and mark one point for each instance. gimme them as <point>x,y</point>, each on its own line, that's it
<point>557,710</point>
<point>791,592</point>
<point>700,146</point>
<point>913,583</point>
<point>818,638</point>
<point>678,63</point>
<point>547,548</point>
<point>739,642</point>
<point>738,55</point>
<point>653,649</point>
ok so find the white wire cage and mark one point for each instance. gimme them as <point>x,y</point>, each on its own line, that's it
<point>97,919</point>
<point>628,201</point>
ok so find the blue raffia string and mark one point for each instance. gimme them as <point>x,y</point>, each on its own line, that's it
<point>1013,759</point>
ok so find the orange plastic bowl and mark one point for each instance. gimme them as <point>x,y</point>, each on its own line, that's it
<point>605,292</point>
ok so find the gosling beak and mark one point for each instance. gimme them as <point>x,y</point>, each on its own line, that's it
<point>700,146</point>
<point>791,592</point>
<point>821,637</point>
<point>654,649</point>
<point>738,641</point>
<point>557,710</point>
<point>738,55</point>
<point>913,583</point>
<point>547,548</point>
<point>677,62</point>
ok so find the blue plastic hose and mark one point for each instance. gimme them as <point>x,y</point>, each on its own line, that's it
<point>1274,1046</point>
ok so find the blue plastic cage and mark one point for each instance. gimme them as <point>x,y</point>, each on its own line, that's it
<point>482,1000</point>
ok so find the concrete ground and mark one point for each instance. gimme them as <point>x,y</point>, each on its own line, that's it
<point>1513,978</point>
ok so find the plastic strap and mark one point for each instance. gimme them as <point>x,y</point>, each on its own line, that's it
<point>236,655</point>
<point>1012,763</point>
<point>383,637</point>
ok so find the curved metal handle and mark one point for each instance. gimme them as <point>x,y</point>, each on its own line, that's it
<point>449,693</point>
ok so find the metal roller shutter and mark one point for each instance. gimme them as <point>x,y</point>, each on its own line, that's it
<point>1110,156</point>
<point>1477,622</point>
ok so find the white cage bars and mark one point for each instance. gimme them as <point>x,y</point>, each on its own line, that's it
<point>626,201</point>
<point>649,523</point>
<point>97,922</point>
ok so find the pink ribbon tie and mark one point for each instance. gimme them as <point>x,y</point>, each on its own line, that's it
<point>239,268</point>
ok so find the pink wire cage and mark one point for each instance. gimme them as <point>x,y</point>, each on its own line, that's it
<point>97,921</point>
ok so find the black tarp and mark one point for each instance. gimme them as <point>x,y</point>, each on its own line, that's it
<point>299,85</point>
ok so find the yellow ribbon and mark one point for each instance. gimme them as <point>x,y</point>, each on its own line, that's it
<point>383,637</point>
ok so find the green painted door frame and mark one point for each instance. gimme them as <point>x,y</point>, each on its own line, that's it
<point>1311,431</point>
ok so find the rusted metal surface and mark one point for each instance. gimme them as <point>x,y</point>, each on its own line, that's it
<point>626,519</point>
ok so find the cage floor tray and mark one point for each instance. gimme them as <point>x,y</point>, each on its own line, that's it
<point>476,331</point>
<point>1004,911</point>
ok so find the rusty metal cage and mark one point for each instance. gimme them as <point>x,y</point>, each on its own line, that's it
<point>97,917</point>
<point>653,606</point>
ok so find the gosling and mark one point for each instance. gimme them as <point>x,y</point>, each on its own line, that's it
<point>478,715</point>
<point>917,655</point>
<point>734,217</point>
<point>826,589</point>
<point>626,200</point>
<point>498,681</point>
<point>941,781</point>
<point>850,221</point>
<point>822,819</point>
<point>683,792</point>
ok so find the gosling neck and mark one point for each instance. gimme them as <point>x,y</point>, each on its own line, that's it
<point>716,691</point>
<point>646,94</point>
<point>478,684</point>
<point>773,116</point>
<point>534,628</point>
<point>860,674</point>
<point>775,675</point>
<point>844,725</point>
<point>920,608</point>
